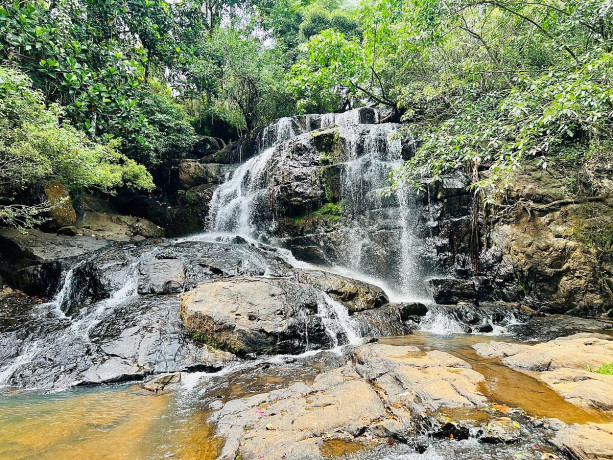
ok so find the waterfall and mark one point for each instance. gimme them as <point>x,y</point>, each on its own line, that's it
<point>441,322</point>
<point>340,327</point>
<point>61,302</point>
<point>235,200</point>
<point>381,240</point>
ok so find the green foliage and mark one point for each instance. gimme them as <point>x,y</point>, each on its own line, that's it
<point>491,100</point>
<point>330,211</point>
<point>94,58</point>
<point>35,146</point>
<point>252,79</point>
<point>330,60</point>
<point>607,369</point>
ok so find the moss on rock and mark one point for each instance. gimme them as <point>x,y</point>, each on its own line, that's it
<point>62,211</point>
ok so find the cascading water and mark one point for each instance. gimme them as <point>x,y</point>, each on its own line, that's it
<point>66,332</point>
<point>380,241</point>
<point>440,322</point>
<point>236,200</point>
<point>339,325</point>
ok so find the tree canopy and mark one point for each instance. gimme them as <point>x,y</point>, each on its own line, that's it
<point>484,85</point>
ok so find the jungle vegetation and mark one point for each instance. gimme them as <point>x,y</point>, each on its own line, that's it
<point>100,94</point>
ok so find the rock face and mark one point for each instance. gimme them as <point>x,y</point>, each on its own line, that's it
<point>448,291</point>
<point>564,365</point>
<point>62,212</point>
<point>255,315</point>
<point>355,295</point>
<point>115,315</point>
<point>542,247</point>
<point>382,396</point>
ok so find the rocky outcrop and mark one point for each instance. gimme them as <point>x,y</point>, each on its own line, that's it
<point>183,213</point>
<point>256,315</point>
<point>62,212</point>
<point>383,395</point>
<point>542,245</point>
<point>115,315</point>
<point>586,442</point>
<point>355,295</point>
<point>564,364</point>
<point>33,262</point>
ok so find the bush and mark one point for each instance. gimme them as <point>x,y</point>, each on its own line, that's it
<point>35,147</point>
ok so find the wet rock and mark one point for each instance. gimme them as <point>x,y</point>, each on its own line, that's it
<point>161,276</point>
<point>33,262</point>
<point>206,145</point>
<point>237,152</point>
<point>355,295</point>
<point>390,320</point>
<point>447,291</point>
<point>160,383</point>
<point>119,340</point>
<point>563,364</point>
<point>62,212</point>
<point>255,315</point>
<point>502,431</point>
<point>453,431</point>
<point>553,326</point>
<point>359,116</point>
<point>590,441</point>
<point>377,398</point>
<point>109,327</point>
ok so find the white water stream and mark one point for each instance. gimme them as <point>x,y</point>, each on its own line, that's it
<point>377,233</point>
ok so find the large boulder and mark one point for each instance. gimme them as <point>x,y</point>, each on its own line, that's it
<point>206,145</point>
<point>382,396</point>
<point>355,295</point>
<point>256,315</point>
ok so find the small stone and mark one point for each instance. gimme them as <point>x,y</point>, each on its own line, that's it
<point>504,430</point>
<point>69,230</point>
<point>160,383</point>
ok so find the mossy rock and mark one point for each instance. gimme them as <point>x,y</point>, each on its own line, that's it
<point>328,145</point>
<point>62,212</point>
